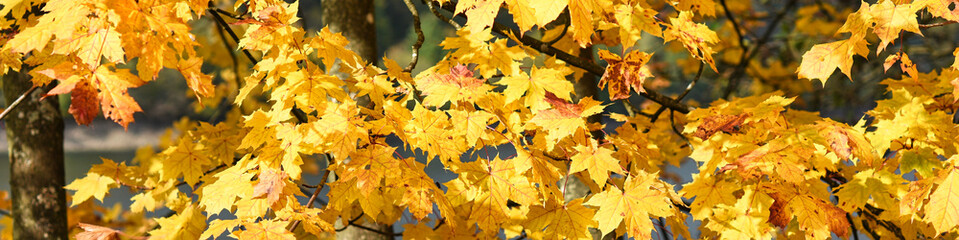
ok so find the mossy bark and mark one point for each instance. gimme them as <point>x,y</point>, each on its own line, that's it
<point>35,144</point>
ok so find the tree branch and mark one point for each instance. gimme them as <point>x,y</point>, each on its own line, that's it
<point>931,25</point>
<point>419,36</point>
<point>746,56</point>
<point>215,12</point>
<point>852,225</point>
<point>316,191</point>
<point>433,5</point>
<point>17,102</point>
<point>729,16</point>
<point>581,63</point>
<point>349,223</point>
<point>589,66</point>
<point>689,87</point>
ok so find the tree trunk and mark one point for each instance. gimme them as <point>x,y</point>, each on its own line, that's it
<point>35,143</point>
<point>354,19</point>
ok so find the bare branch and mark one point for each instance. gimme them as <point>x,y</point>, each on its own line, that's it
<point>931,25</point>
<point>419,36</point>
<point>316,191</point>
<point>433,5</point>
<point>729,16</point>
<point>748,55</point>
<point>689,87</point>
<point>215,12</point>
<point>17,102</point>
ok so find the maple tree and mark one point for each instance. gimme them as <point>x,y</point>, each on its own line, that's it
<point>764,168</point>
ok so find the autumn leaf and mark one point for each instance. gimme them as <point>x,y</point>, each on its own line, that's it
<point>271,185</point>
<point>185,160</point>
<point>720,123</point>
<point>816,217</point>
<point>94,232</point>
<point>267,229</point>
<point>188,223</point>
<point>564,118</point>
<point>625,73</point>
<point>942,211</point>
<point>955,81</point>
<point>905,64</point>
<point>459,85</point>
<point>696,37</point>
<point>598,161</point>
<point>823,59</point>
<point>638,200</point>
<point>890,19</point>
<point>93,185</point>
<point>479,13</point>
<point>570,221</point>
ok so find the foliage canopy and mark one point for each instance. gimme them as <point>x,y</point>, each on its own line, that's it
<point>764,169</point>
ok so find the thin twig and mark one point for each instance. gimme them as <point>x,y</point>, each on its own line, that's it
<point>865,227</point>
<point>746,56</point>
<point>689,87</point>
<point>419,36</point>
<point>17,102</point>
<point>855,232</point>
<point>729,16</point>
<point>662,228</point>
<point>433,5</point>
<point>936,24</point>
<point>4,212</point>
<point>219,20</point>
<point>563,33</point>
<point>388,234</point>
<point>316,192</point>
<point>349,223</point>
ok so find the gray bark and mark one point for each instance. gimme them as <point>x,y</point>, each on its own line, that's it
<point>355,20</point>
<point>35,143</point>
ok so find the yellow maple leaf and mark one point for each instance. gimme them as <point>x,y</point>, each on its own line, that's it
<point>479,13</point>
<point>942,211</point>
<point>561,221</point>
<point>890,19</point>
<point>564,118</point>
<point>93,185</point>
<point>696,37</point>
<point>221,194</point>
<point>185,160</point>
<point>598,161</point>
<point>823,59</point>
<point>816,217</point>
<point>710,192</point>
<point>638,200</point>
<point>266,229</point>
<point>187,224</point>
<point>540,82</point>
<point>457,86</point>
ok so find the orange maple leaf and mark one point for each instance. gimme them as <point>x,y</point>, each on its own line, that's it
<point>624,73</point>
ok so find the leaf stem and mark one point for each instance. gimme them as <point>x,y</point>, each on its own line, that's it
<point>17,102</point>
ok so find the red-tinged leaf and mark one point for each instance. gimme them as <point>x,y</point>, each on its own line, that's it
<point>814,215</point>
<point>115,102</point>
<point>83,103</point>
<point>720,123</point>
<point>94,232</point>
<point>458,85</point>
<point>625,73</point>
<point>271,185</point>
